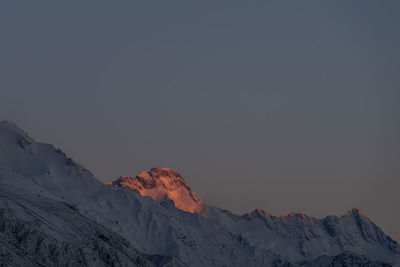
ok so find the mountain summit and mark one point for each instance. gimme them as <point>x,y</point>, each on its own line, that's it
<point>161,184</point>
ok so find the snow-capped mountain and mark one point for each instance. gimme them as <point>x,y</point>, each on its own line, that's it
<point>60,202</point>
<point>161,184</point>
<point>305,237</point>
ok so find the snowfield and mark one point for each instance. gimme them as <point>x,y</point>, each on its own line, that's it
<point>55,213</point>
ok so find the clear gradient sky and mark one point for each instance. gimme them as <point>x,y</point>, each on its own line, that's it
<point>280,105</point>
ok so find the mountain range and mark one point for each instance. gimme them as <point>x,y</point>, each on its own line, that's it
<point>54,212</point>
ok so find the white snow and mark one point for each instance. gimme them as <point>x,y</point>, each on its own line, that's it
<point>214,238</point>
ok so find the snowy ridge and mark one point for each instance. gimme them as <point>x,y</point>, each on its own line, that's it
<point>304,237</point>
<point>174,237</point>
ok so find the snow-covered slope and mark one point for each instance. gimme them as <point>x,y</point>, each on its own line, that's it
<point>161,184</point>
<point>303,237</point>
<point>37,231</point>
<point>175,237</point>
<point>151,227</point>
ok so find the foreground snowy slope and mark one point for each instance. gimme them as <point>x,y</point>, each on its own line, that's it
<point>36,231</point>
<point>178,238</point>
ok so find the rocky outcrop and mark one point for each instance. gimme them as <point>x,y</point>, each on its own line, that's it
<point>161,184</point>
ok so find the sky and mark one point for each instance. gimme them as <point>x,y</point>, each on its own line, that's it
<point>279,105</point>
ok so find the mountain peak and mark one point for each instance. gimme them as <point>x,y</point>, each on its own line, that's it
<point>160,172</point>
<point>156,169</point>
<point>260,213</point>
<point>355,211</point>
<point>161,184</point>
<point>9,130</point>
<point>10,122</point>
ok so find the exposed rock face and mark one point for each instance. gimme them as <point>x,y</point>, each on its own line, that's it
<point>162,184</point>
<point>346,258</point>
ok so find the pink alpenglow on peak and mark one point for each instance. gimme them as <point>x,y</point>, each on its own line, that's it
<point>355,211</point>
<point>161,183</point>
